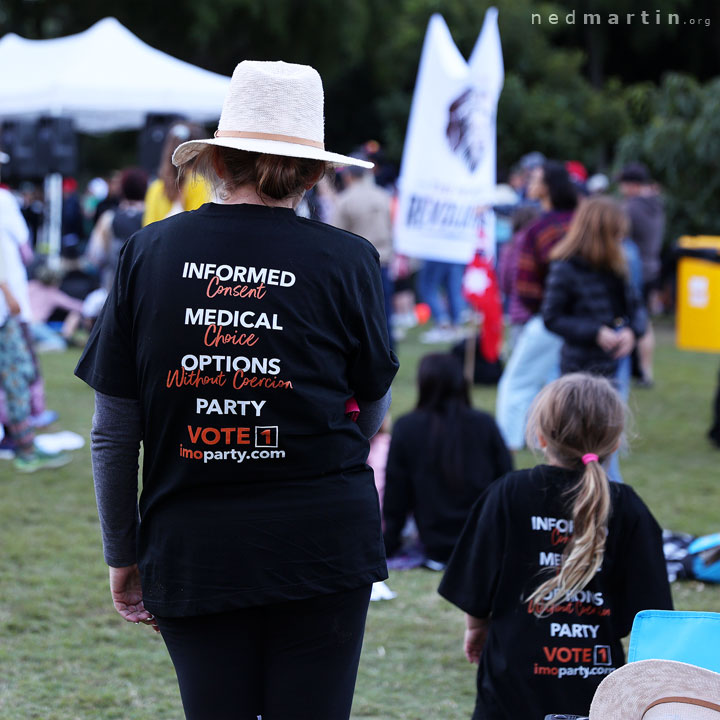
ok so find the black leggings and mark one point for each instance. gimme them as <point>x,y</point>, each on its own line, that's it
<point>294,660</point>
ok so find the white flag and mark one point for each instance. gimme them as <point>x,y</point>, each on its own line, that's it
<point>447,177</point>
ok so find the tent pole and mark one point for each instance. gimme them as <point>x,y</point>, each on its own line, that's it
<point>53,218</point>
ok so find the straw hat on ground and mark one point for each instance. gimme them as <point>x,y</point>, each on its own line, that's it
<point>274,108</point>
<point>658,690</point>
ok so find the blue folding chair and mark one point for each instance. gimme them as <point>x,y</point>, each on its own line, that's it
<point>689,637</point>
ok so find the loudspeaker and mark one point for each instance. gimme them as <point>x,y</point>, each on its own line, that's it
<point>57,145</point>
<point>39,147</point>
<point>152,138</point>
<point>18,139</point>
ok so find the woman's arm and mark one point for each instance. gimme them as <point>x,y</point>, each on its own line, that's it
<point>116,435</point>
<point>100,239</point>
<point>372,414</point>
<point>10,299</point>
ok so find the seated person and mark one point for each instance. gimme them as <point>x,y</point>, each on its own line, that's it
<point>443,455</point>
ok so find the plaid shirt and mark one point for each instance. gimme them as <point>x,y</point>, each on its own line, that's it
<point>533,262</point>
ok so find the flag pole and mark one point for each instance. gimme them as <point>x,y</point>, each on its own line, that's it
<point>471,348</point>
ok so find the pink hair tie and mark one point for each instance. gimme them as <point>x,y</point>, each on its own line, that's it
<point>589,457</point>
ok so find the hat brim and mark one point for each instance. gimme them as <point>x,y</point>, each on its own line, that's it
<point>629,691</point>
<point>188,150</point>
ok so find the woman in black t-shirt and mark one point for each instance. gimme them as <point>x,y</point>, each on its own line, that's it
<point>230,344</point>
<point>554,563</point>
<point>443,456</point>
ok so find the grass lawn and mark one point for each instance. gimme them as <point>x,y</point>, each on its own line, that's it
<point>66,655</point>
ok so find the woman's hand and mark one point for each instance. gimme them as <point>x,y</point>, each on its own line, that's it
<point>127,595</point>
<point>475,636</point>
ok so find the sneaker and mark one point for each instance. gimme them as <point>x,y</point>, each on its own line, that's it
<point>437,336</point>
<point>39,460</point>
<point>45,418</point>
<point>404,320</point>
<point>434,565</point>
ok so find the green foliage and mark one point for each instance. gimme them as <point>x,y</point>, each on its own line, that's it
<point>677,134</point>
<point>572,122</point>
<point>567,90</point>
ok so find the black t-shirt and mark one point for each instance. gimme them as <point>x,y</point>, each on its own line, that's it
<point>533,666</point>
<point>415,482</point>
<point>242,330</point>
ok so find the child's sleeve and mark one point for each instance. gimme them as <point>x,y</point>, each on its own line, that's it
<point>472,575</point>
<point>643,582</point>
<point>636,311</point>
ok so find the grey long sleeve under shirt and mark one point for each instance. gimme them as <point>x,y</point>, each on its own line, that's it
<point>115,443</point>
<point>115,448</point>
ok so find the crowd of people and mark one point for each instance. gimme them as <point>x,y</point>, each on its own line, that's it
<point>253,548</point>
<point>48,304</point>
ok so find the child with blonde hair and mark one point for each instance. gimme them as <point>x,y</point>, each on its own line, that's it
<point>555,561</point>
<point>589,300</point>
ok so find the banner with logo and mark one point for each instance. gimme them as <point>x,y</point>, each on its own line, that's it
<point>448,171</point>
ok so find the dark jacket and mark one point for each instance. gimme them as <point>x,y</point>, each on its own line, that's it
<point>414,479</point>
<point>579,299</point>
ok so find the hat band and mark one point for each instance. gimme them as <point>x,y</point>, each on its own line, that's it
<point>685,701</point>
<point>270,136</point>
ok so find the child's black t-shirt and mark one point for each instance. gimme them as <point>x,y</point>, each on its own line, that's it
<point>533,666</point>
<point>242,330</point>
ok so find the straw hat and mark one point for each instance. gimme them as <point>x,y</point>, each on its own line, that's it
<point>658,690</point>
<point>274,108</point>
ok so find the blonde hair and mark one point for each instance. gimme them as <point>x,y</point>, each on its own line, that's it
<point>274,176</point>
<point>576,415</point>
<point>595,234</point>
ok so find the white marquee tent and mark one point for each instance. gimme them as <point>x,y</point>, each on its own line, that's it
<point>104,79</point>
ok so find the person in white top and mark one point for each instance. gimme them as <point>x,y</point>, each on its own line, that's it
<point>14,237</point>
<point>16,371</point>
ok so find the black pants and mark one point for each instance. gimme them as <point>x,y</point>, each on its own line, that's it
<point>294,660</point>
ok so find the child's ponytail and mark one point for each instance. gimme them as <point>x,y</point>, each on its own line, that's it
<point>580,419</point>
